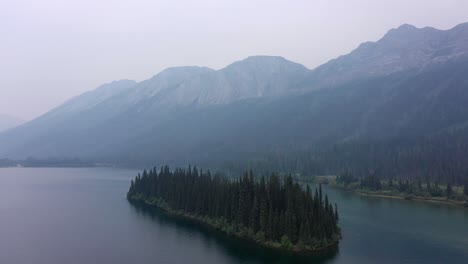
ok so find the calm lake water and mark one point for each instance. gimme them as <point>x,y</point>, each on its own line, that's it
<point>53,215</point>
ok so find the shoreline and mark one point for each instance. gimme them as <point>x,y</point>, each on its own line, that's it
<point>329,248</point>
<point>414,198</point>
<point>441,201</point>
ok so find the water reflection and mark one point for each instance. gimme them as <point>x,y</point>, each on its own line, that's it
<point>239,250</point>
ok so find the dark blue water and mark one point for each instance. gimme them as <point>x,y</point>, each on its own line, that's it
<point>52,215</point>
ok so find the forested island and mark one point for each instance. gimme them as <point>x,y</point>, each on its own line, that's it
<point>409,189</point>
<point>270,211</point>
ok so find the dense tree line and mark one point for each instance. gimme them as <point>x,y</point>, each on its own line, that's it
<point>441,158</point>
<point>267,209</point>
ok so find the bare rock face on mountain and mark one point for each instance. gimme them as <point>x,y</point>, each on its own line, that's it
<point>163,82</point>
<point>254,77</point>
<point>402,49</point>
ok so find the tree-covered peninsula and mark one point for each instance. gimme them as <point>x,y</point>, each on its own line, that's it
<point>271,211</point>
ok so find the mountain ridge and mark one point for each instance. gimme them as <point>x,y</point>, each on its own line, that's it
<point>400,49</point>
<point>265,102</point>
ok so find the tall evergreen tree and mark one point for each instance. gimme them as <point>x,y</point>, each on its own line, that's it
<point>336,213</point>
<point>449,190</point>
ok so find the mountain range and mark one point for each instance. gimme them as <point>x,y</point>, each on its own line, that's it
<point>410,85</point>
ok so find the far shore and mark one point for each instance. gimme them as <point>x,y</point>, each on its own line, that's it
<point>410,198</point>
<point>330,181</point>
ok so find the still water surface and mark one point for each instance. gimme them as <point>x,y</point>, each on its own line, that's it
<point>58,215</point>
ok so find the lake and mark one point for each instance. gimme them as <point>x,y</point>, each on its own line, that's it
<point>81,215</point>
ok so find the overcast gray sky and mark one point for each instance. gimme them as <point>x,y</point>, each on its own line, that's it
<point>53,50</point>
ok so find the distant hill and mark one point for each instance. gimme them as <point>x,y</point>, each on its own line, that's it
<point>8,121</point>
<point>409,86</point>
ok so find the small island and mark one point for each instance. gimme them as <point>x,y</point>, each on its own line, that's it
<point>271,211</point>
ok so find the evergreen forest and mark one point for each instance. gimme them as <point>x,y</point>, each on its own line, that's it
<point>270,210</point>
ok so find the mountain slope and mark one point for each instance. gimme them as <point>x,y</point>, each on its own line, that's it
<point>121,111</point>
<point>408,86</point>
<point>401,49</point>
<point>7,122</point>
<point>254,77</point>
<point>93,98</point>
<point>397,106</point>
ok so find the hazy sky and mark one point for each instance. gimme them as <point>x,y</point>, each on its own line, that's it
<point>53,50</point>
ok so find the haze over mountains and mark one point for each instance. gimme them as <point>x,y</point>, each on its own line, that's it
<point>410,85</point>
<point>7,122</point>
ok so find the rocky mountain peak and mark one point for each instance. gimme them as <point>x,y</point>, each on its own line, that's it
<point>404,48</point>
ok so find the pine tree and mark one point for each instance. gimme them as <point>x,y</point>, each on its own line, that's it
<point>263,215</point>
<point>449,190</point>
<point>336,213</point>
<point>419,185</point>
<point>254,216</point>
<point>320,195</point>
